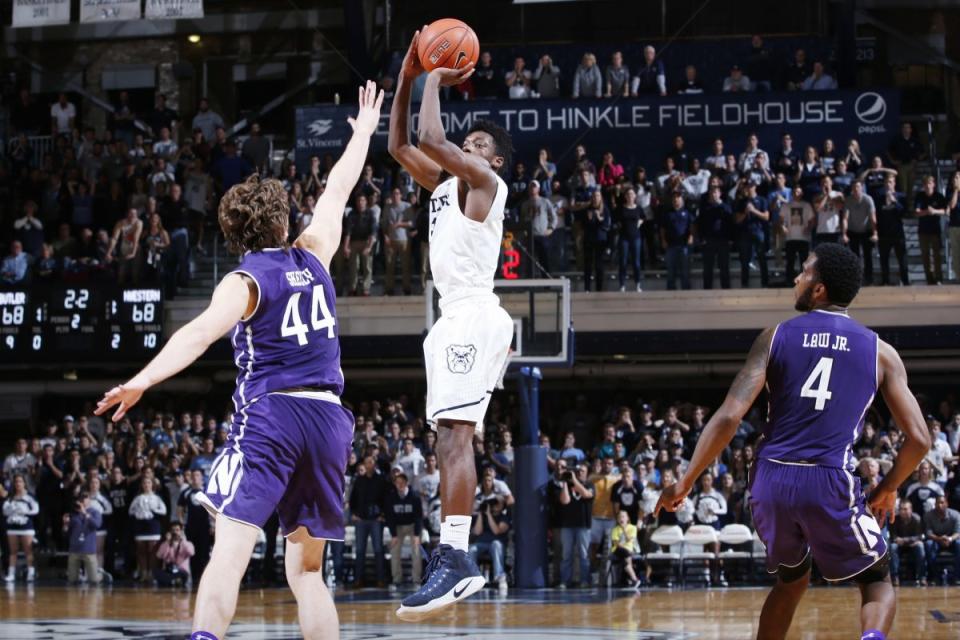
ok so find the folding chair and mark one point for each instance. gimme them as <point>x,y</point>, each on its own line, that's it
<point>737,535</point>
<point>671,537</point>
<point>697,537</point>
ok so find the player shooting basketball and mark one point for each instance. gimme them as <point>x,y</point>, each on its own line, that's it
<point>466,351</point>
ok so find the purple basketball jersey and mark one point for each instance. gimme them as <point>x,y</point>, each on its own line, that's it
<point>292,338</point>
<point>822,377</point>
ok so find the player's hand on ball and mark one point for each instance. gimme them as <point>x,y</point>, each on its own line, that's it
<point>451,77</point>
<point>411,66</point>
<point>125,395</point>
<point>883,505</point>
<point>671,498</point>
<point>369,116</point>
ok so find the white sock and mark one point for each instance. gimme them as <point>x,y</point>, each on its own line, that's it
<point>455,531</point>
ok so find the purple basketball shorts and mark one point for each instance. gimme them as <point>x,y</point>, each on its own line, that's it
<point>286,453</point>
<point>800,509</point>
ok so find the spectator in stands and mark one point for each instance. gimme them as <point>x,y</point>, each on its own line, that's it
<point>953,228</point>
<point>587,81</point>
<point>819,79</point>
<point>597,224</point>
<point>798,220</point>
<point>207,120</point>
<point>602,514</point>
<point>367,500</point>
<point>539,218</point>
<point>736,81</point>
<point>396,221</point>
<point>16,265</point>
<point>517,189</point>
<point>29,229</point>
<point>709,504</point>
<point>230,169</point>
<point>197,524</point>
<point>797,71</point>
<point>786,160</point>
<point>651,79</point>
<point>828,158</point>
<point>630,218</point>
<point>715,226</point>
<point>943,534</point>
<point>491,524</point>
<point>679,155</point>
<point>146,511</point>
<point>906,536</point>
<point>842,178</point>
<point>862,227</point>
<point>404,518</point>
<point>890,234</point>
<point>165,147</point>
<point>546,79</point>
<point>409,459</point>
<point>831,216</point>
<point>930,208</point>
<point>903,152</point>
<point>624,545</point>
<point>125,240</point>
<point>163,116</point>
<point>570,451</point>
<point>256,150</point>
<point>923,493</point>
<point>25,117</point>
<point>690,85</point>
<point>617,76</point>
<point>747,159</point>
<point>63,115</point>
<point>544,173</point>
<point>485,79</point>
<point>676,237</point>
<point>752,220</point>
<point>518,80</point>
<point>853,157</point>
<point>575,499</point>
<point>175,554</point>
<point>428,482</point>
<point>358,240</point>
<point>760,65</point>
<point>19,511</point>
<point>717,160</point>
<point>81,528</point>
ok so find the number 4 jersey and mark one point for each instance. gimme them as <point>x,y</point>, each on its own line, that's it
<point>291,340</point>
<point>821,378</point>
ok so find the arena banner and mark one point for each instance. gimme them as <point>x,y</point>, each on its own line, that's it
<point>640,131</point>
<point>40,13</point>
<point>109,10</point>
<point>174,9</point>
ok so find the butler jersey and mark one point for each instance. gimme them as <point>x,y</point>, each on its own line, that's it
<point>291,340</point>
<point>822,378</point>
<point>464,253</point>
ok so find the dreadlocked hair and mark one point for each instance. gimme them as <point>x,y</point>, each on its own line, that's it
<point>501,140</point>
<point>254,215</point>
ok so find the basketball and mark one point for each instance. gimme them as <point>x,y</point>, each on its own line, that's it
<point>447,42</point>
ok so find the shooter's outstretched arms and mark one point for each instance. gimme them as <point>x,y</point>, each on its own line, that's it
<point>234,299</point>
<point>425,171</point>
<point>908,416</point>
<point>723,424</point>
<point>322,237</point>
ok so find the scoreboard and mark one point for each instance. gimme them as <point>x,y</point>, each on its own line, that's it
<point>72,324</point>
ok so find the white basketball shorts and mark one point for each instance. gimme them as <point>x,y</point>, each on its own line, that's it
<point>466,355</point>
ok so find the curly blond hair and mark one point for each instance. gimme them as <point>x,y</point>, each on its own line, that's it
<point>255,215</point>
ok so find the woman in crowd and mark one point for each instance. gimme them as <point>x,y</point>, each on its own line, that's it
<point>19,511</point>
<point>100,502</point>
<point>630,218</point>
<point>156,241</point>
<point>597,225</point>
<point>146,511</point>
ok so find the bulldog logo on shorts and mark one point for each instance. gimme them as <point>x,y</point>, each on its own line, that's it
<point>460,357</point>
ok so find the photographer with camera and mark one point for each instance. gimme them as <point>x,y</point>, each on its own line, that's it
<point>174,554</point>
<point>571,495</point>
<point>490,526</point>
<point>81,528</point>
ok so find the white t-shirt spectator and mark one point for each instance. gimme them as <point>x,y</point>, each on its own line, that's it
<point>519,89</point>
<point>165,149</point>
<point>828,217</point>
<point>797,216</point>
<point>695,185</point>
<point>709,506</point>
<point>63,115</point>
<point>411,464</point>
<point>426,485</point>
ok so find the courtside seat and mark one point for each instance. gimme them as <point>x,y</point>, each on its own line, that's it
<point>694,541</point>
<point>671,537</point>
<point>740,537</point>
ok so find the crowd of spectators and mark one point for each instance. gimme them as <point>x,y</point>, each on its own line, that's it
<point>121,500</point>
<point>759,69</point>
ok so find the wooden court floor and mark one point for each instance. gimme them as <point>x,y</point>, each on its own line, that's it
<point>52,612</point>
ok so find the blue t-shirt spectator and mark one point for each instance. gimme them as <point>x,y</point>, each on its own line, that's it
<point>676,225</point>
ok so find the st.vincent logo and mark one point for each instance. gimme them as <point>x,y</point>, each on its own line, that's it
<point>320,127</point>
<point>870,107</point>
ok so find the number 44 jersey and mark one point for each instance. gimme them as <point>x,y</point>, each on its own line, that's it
<point>821,378</point>
<point>291,339</point>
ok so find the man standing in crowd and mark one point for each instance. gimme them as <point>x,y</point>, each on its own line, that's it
<point>358,239</point>
<point>404,518</point>
<point>930,209</point>
<point>395,224</point>
<point>890,234</point>
<point>367,498</point>
<point>862,227</point>
<point>676,237</point>
<point>539,218</point>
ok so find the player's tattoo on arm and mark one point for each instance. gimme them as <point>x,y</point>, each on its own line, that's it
<point>748,383</point>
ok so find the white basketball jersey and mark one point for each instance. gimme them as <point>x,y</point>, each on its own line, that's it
<point>464,253</point>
